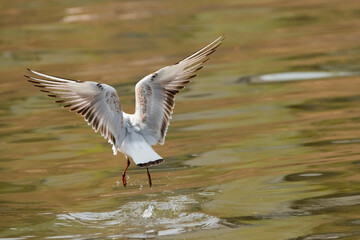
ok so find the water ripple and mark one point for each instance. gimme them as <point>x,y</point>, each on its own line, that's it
<point>171,216</point>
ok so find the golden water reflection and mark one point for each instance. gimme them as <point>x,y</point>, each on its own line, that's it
<point>265,140</point>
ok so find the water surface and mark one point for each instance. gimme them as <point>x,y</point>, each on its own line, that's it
<point>265,140</point>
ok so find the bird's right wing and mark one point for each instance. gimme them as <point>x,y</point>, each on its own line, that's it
<point>155,93</point>
<point>98,103</point>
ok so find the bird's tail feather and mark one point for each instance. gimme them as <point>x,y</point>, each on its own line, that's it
<point>140,151</point>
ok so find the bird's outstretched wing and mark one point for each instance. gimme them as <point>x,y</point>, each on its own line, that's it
<point>98,103</point>
<point>155,93</point>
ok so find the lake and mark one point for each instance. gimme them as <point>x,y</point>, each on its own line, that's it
<point>263,144</point>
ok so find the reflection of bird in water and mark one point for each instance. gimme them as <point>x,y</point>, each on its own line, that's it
<point>131,134</point>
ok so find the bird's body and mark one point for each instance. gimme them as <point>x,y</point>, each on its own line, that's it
<point>131,134</point>
<point>136,146</point>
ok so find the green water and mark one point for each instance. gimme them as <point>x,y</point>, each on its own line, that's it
<point>263,144</point>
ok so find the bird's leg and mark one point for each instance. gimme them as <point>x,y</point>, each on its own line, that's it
<point>124,172</point>
<point>149,177</point>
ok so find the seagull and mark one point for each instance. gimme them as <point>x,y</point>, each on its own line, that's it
<point>131,134</point>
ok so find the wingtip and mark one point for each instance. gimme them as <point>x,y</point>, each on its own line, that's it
<point>221,38</point>
<point>32,71</point>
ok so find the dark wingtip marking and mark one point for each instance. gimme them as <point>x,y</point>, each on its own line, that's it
<point>40,86</point>
<point>75,108</point>
<point>96,123</point>
<point>151,163</point>
<point>45,91</point>
<point>88,114</point>
<point>33,81</point>
<point>172,92</point>
<point>112,139</point>
<point>205,60</point>
<point>85,110</point>
<point>199,68</point>
<point>192,76</point>
<point>212,51</point>
<point>51,95</point>
<point>186,82</point>
<point>92,115</point>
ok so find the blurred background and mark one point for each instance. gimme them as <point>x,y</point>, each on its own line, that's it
<point>266,140</point>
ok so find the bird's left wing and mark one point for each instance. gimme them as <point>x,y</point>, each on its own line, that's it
<point>98,103</point>
<point>155,93</point>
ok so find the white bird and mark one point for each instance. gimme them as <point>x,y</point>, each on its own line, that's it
<point>131,134</point>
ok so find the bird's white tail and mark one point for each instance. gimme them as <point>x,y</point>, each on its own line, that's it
<point>140,151</point>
